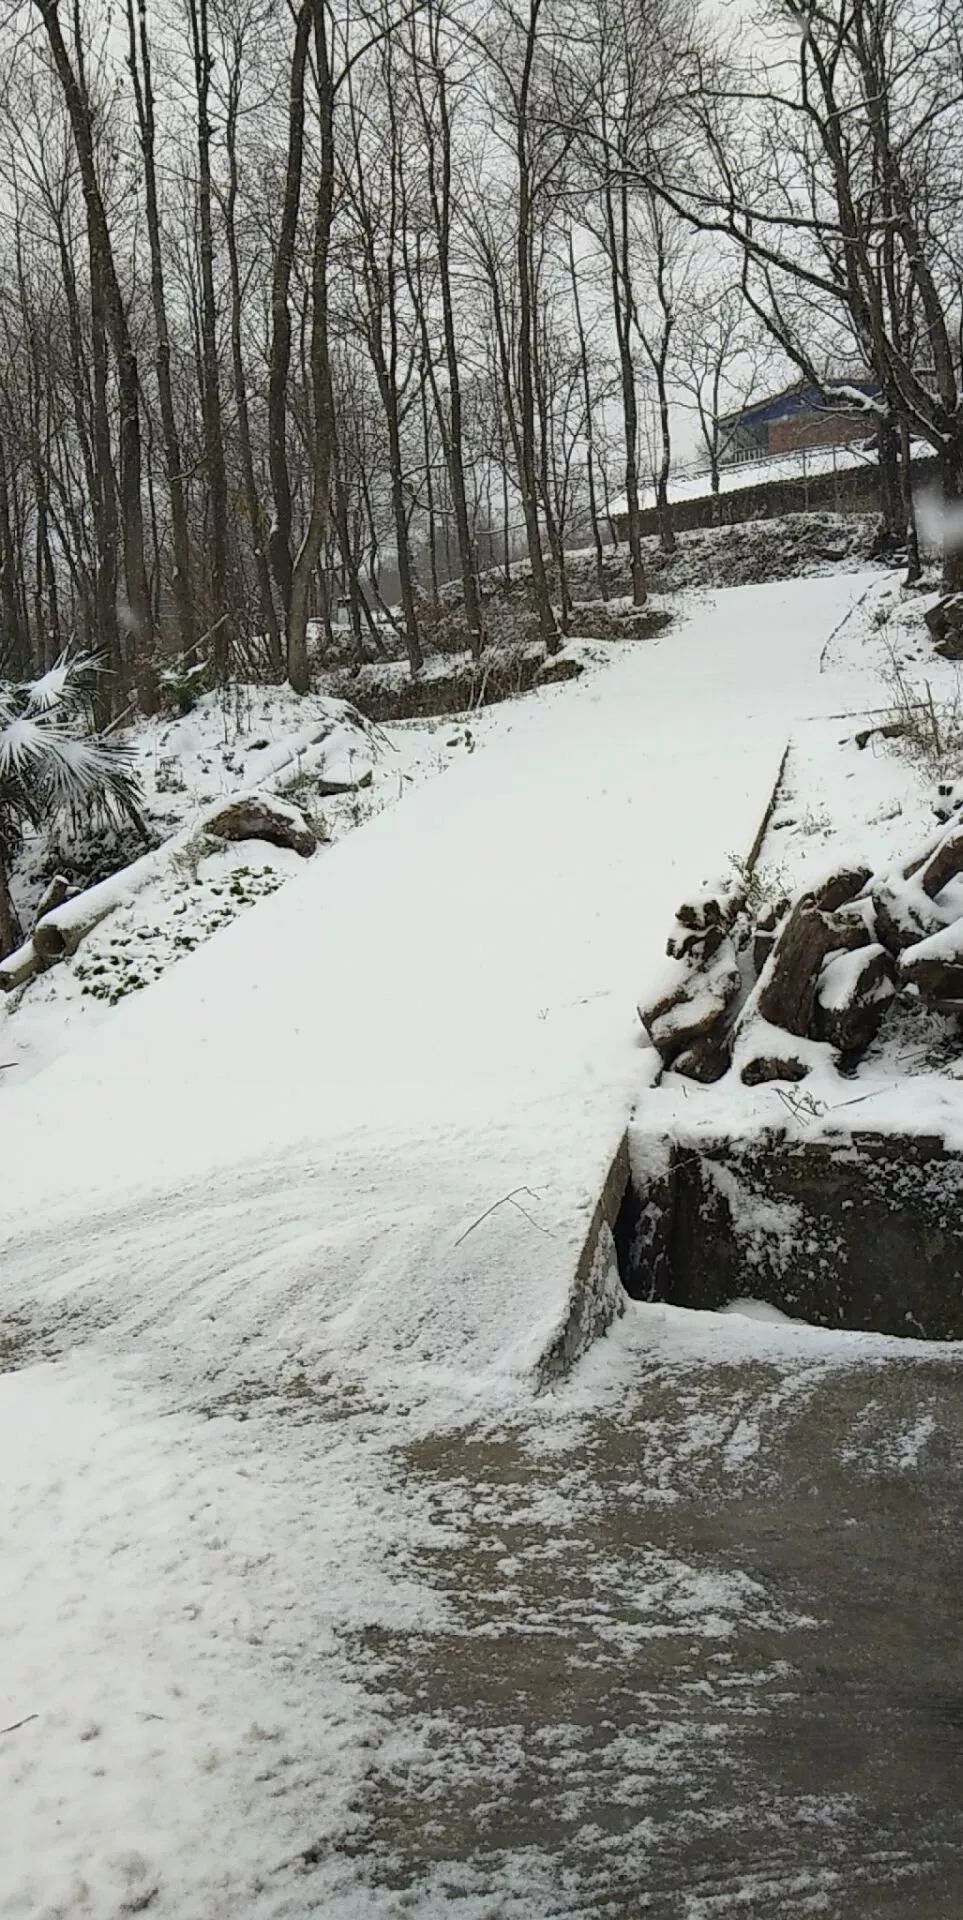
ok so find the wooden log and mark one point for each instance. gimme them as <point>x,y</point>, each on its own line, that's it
<point>944,865</point>
<point>707,1059</point>
<point>934,968</point>
<point>840,887</point>
<point>787,991</point>
<point>54,895</point>
<point>901,919</point>
<point>19,967</point>
<point>853,994</point>
<point>695,1006</point>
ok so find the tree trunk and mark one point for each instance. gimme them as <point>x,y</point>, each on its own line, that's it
<point>104,502</point>
<point>141,75</point>
<point>16,643</point>
<point>441,195</point>
<point>104,274</point>
<point>914,564</point>
<point>589,422</point>
<point>322,398</point>
<point>663,508</point>
<point>891,532</point>
<point>528,471</point>
<point>622,306</point>
<point>222,622</point>
<point>10,932</point>
<point>279,355</point>
<point>951,475</point>
<point>259,536</point>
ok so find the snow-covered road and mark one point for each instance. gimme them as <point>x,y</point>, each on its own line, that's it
<point>239,1253</point>
<point>292,1130</point>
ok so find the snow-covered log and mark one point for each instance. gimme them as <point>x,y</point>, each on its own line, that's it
<point>696,1002</point>
<point>944,865</point>
<point>54,895</point>
<point>60,933</point>
<point>933,968</point>
<point>787,988</point>
<point>840,887</point>
<point>852,996</point>
<point>904,914</point>
<point>19,967</point>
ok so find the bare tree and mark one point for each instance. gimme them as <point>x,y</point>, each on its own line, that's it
<point>111,313</point>
<point>831,162</point>
<point>719,359</point>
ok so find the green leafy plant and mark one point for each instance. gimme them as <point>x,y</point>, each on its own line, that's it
<point>54,767</point>
<point>762,886</point>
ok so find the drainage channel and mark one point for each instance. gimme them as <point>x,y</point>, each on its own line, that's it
<point>865,1235</point>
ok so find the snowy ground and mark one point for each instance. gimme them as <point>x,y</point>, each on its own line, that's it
<point>258,1244</point>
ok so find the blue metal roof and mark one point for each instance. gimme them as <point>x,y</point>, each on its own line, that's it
<point>782,406</point>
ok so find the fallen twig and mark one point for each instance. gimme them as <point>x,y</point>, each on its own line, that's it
<point>860,1097</point>
<point>15,1724</point>
<point>505,1199</point>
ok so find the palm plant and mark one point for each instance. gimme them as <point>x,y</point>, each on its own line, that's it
<point>53,766</point>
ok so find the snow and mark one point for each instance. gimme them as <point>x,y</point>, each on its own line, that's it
<point>256,1237</point>
<point>759,1310</point>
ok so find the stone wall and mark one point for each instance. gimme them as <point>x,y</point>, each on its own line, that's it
<point>855,490</point>
<point>865,1234</point>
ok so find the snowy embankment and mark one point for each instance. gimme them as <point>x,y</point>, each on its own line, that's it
<point>323,1182</point>
<point>168,901</point>
<point>866,759</point>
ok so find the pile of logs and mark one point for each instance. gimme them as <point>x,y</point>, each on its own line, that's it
<point>766,991</point>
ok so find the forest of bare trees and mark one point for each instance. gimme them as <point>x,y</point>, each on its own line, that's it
<point>310,306</point>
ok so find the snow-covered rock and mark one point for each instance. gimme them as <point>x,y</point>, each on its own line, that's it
<point>262,816</point>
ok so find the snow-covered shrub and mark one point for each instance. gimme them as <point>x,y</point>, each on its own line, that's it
<point>181,684</point>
